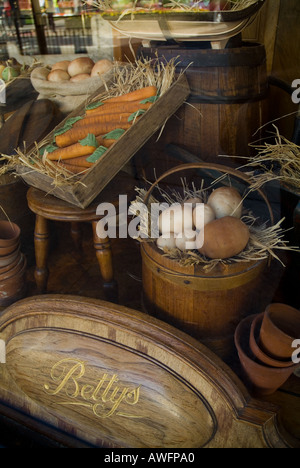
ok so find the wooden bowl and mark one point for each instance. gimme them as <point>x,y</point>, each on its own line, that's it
<point>9,234</point>
<point>257,351</point>
<point>279,328</point>
<point>264,380</point>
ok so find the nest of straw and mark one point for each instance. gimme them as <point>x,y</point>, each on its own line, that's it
<point>265,239</point>
<point>127,77</point>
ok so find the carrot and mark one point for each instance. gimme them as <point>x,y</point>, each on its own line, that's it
<point>75,169</point>
<point>74,134</point>
<point>106,118</point>
<point>118,108</point>
<point>69,152</point>
<point>137,95</point>
<point>79,161</point>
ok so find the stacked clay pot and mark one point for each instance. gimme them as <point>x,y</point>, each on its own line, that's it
<point>12,264</point>
<point>267,347</point>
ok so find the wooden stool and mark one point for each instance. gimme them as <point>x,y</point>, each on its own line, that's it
<point>47,207</point>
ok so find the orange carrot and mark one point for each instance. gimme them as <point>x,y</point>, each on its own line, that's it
<point>118,108</point>
<point>75,134</point>
<point>138,94</point>
<point>69,152</point>
<point>100,119</point>
<point>80,161</point>
<point>75,169</point>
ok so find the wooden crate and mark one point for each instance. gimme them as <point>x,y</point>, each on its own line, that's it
<point>116,157</point>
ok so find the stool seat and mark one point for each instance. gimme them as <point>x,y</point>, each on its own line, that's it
<point>46,208</point>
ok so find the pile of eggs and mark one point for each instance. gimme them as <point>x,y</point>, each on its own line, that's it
<point>78,69</point>
<point>214,228</point>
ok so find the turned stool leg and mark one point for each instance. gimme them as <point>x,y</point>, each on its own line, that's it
<point>41,246</point>
<point>104,257</point>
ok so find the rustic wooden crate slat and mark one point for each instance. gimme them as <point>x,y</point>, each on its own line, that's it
<point>115,158</point>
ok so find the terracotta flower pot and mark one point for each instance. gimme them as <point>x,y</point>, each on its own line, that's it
<point>9,233</point>
<point>279,328</point>
<point>264,380</point>
<point>14,288</point>
<point>8,259</point>
<point>262,357</point>
<point>14,270</point>
<point>4,269</point>
<point>4,251</point>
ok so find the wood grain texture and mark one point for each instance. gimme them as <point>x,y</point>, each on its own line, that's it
<point>114,377</point>
<point>227,103</point>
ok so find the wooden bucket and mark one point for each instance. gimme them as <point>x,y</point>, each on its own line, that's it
<point>206,305</point>
<point>227,104</point>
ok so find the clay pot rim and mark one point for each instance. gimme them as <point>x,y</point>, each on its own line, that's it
<point>9,258</point>
<point>254,346</point>
<point>5,268</point>
<point>245,354</point>
<point>15,271</point>
<point>8,249</point>
<point>10,226</point>
<point>279,330</point>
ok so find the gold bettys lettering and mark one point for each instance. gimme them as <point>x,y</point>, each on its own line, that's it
<point>104,398</point>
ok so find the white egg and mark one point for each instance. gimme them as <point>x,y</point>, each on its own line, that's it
<point>176,218</point>
<point>186,240</point>
<point>167,240</point>
<point>226,201</point>
<point>202,215</point>
<point>193,201</point>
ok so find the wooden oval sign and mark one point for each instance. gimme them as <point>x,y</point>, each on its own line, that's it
<point>114,377</point>
<point>108,389</point>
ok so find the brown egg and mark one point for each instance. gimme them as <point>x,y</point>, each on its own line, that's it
<point>224,238</point>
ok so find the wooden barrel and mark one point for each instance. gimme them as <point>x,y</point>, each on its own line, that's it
<point>227,104</point>
<point>208,305</point>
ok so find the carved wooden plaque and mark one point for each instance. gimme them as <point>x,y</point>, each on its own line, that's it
<point>115,377</point>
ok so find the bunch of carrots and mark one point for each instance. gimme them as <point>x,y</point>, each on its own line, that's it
<point>83,140</point>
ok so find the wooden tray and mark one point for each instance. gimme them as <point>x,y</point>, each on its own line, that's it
<point>94,181</point>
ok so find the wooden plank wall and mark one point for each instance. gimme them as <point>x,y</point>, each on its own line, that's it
<point>277,26</point>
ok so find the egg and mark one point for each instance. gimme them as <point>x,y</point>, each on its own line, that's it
<point>58,76</point>
<point>193,201</point>
<point>226,201</point>
<point>61,65</point>
<point>224,238</point>
<point>102,66</point>
<point>80,65</point>
<point>176,218</point>
<point>186,240</point>
<point>202,215</point>
<point>166,240</point>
